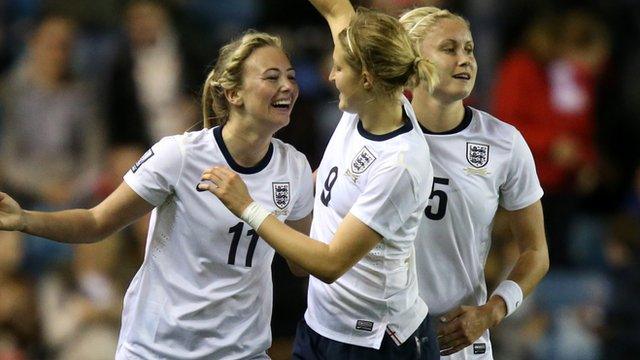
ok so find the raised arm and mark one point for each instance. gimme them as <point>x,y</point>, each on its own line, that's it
<point>118,210</point>
<point>338,14</point>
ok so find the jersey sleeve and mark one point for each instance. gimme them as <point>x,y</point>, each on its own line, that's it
<point>388,200</point>
<point>522,187</point>
<point>155,175</point>
<point>304,202</point>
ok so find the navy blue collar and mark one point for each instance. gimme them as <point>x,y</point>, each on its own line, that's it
<point>408,126</point>
<point>217,135</point>
<point>466,120</point>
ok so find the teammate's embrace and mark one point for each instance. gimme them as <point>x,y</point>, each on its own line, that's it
<point>371,190</point>
<point>204,289</point>
<point>479,163</point>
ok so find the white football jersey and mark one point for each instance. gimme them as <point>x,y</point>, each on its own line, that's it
<point>477,166</point>
<point>383,180</point>
<point>204,290</point>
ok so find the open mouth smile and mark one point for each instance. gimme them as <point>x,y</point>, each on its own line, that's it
<point>462,76</point>
<point>282,104</point>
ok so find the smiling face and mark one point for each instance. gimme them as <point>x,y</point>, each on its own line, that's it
<point>269,89</point>
<point>346,80</point>
<point>450,46</point>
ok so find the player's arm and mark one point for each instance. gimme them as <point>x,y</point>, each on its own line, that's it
<point>302,226</point>
<point>327,262</point>
<point>118,210</point>
<point>337,13</point>
<point>527,227</point>
<point>462,326</point>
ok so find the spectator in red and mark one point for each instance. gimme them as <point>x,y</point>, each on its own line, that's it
<point>546,88</point>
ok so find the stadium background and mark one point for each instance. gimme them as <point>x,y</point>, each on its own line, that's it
<point>131,72</point>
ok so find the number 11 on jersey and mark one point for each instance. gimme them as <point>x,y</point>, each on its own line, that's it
<point>236,230</point>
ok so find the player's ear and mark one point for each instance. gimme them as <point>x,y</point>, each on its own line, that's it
<point>367,80</point>
<point>234,96</point>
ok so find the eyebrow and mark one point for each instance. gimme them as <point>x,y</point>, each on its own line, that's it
<point>448,41</point>
<point>276,69</point>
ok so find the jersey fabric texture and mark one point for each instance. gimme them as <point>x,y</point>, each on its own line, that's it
<point>204,290</point>
<point>383,180</point>
<point>480,165</point>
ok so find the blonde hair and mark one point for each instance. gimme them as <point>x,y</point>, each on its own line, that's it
<point>377,43</point>
<point>227,74</point>
<point>419,21</point>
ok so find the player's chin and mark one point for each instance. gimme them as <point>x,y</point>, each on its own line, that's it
<point>281,120</point>
<point>280,114</point>
<point>342,102</point>
<point>344,105</point>
<point>464,90</point>
<point>456,94</point>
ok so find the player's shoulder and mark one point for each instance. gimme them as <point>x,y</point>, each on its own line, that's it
<point>190,142</point>
<point>412,154</point>
<point>203,136</point>
<point>288,151</point>
<point>410,144</point>
<point>167,144</point>
<point>415,151</point>
<point>490,121</point>
<point>492,127</point>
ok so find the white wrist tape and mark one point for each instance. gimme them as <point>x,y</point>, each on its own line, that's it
<point>254,215</point>
<point>511,293</point>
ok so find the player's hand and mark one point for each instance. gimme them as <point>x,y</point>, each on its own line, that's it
<point>462,326</point>
<point>11,214</point>
<point>228,187</point>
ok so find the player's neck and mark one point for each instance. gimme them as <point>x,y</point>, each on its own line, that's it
<point>247,146</point>
<point>382,116</point>
<point>437,116</point>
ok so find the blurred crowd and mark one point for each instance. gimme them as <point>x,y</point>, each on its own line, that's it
<point>87,86</point>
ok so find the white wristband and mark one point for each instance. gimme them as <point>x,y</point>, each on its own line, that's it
<point>511,293</point>
<point>254,215</point>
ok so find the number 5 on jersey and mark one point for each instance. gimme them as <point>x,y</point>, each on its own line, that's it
<point>437,213</point>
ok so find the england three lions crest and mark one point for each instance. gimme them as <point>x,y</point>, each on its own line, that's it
<point>281,194</point>
<point>477,154</point>
<point>362,161</point>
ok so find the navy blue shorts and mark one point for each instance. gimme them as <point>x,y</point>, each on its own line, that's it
<point>422,344</point>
